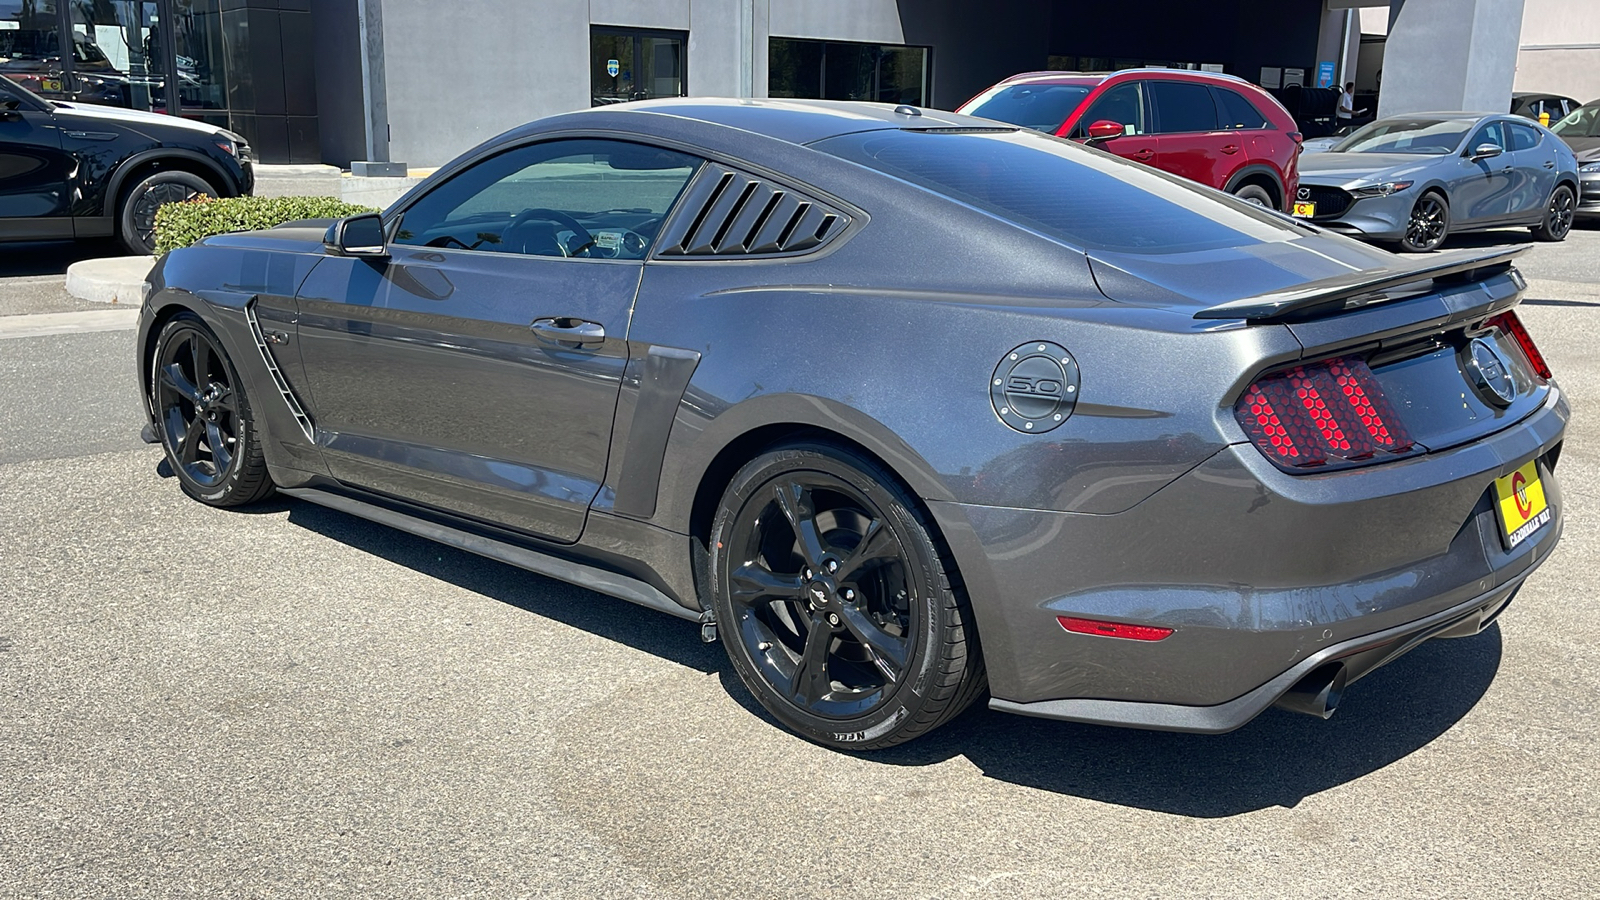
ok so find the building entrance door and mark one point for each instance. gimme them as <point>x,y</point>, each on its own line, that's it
<point>630,64</point>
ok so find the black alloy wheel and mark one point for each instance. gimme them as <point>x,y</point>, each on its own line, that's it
<point>834,602</point>
<point>203,417</point>
<point>1558,216</point>
<point>1429,224</point>
<point>144,199</point>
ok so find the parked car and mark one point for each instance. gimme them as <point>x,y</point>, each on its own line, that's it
<point>1533,106</point>
<point>1417,179</point>
<point>895,403</point>
<point>1215,129</point>
<point>1326,142</point>
<point>78,170</point>
<point>1581,131</point>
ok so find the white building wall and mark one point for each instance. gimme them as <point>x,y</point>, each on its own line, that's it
<point>1560,48</point>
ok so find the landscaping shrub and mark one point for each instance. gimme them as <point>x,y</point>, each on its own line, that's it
<point>181,224</point>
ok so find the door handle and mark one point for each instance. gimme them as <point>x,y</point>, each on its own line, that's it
<point>1549,164</point>
<point>1142,155</point>
<point>567,330</point>
<point>1231,148</point>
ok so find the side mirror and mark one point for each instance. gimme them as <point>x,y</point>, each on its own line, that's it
<point>1105,129</point>
<point>1487,151</point>
<point>358,236</point>
<point>8,109</point>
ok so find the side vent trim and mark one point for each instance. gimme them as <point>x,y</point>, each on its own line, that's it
<point>740,215</point>
<point>282,383</point>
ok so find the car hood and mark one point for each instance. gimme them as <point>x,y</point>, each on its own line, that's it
<point>1204,278</point>
<point>146,123</point>
<point>1343,168</point>
<point>1587,149</point>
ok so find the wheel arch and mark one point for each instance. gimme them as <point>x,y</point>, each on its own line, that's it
<point>1258,174</point>
<point>165,159</point>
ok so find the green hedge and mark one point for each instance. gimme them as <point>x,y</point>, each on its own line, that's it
<point>181,224</point>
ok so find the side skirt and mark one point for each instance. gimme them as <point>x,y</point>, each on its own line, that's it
<point>595,579</point>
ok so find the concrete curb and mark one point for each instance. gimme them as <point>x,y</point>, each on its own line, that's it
<point>117,279</point>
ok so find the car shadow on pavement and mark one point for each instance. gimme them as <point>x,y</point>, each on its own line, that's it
<point>626,623</point>
<point>1278,759</point>
<point>53,257</point>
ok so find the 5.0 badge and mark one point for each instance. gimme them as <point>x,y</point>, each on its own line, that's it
<point>1035,388</point>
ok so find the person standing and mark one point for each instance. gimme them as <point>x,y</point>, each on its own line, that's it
<point>1346,113</point>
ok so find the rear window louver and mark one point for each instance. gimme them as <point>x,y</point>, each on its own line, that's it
<point>728,213</point>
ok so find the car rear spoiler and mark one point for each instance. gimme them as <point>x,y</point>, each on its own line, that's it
<point>1363,288</point>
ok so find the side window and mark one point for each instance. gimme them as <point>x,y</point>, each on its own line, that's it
<point>1182,106</point>
<point>1237,112</point>
<point>1522,137</point>
<point>1122,104</point>
<point>592,199</point>
<point>1488,134</point>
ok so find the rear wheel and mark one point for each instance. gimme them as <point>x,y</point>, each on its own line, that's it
<point>1255,193</point>
<point>204,418</point>
<point>1429,224</point>
<point>837,608</point>
<point>137,218</point>
<point>1558,215</point>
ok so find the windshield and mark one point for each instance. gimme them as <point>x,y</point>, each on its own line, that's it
<point>1042,107</point>
<point>1088,199</point>
<point>1422,136</point>
<point>1578,123</point>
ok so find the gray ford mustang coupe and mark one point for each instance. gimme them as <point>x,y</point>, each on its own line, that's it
<point>902,406</point>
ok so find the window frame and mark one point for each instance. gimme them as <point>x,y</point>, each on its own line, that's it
<point>1146,110</point>
<point>1511,127</point>
<point>1266,121</point>
<point>395,217</point>
<point>1473,142</point>
<point>637,35</point>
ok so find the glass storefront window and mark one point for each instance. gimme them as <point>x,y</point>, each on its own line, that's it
<point>843,70</point>
<point>197,30</point>
<point>116,54</point>
<point>629,64</point>
<point>30,46</point>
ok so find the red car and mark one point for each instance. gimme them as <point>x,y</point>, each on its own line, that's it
<point>1216,129</point>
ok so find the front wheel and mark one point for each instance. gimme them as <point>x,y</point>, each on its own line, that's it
<point>1558,215</point>
<point>1255,193</point>
<point>204,418</point>
<point>137,218</point>
<point>838,609</point>
<point>1428,225</point>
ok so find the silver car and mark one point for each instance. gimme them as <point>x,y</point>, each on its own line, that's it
<point>1416,179</point>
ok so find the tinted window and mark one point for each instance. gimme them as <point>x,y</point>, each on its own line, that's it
<point>1581,122</point>
<point>1042,107</point>
<point>1489,134</point>
<point>1522,137</point>
<point>1089,200</point>
<point>1436,136</point>
<point>1121,104</point>
<point>1181,107</point>
<point>584,198</point>
<point>1236,112</point>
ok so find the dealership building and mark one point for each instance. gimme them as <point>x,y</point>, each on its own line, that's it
<point>418,81</point>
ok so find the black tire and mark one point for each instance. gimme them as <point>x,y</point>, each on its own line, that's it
<point>1428,225</point>
<point>1255,193</point>
<point>850,627</point>
<point>203,417</point>
<point>136,219</point>
<point>1558,215</point>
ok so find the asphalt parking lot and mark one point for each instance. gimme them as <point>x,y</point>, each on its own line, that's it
<point>293,702</point>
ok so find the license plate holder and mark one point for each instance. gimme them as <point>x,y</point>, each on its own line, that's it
<point>1304,210</point>
<point>1520,505</point>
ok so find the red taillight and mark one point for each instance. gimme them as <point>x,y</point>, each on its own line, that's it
<point>1511,325</point>
<point>1113,629</point>
<point>1328,412</point>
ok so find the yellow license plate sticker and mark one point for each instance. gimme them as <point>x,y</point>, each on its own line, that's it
<point>50,85</point>
<point>1305,210</point>
<point>1523,509</point>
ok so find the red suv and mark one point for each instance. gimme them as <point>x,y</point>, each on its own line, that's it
<point>1218,130</point>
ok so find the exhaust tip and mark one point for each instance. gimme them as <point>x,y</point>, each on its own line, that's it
<point>1317,694</point>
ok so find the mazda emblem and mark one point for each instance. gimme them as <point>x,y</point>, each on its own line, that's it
<point>1304,193</point>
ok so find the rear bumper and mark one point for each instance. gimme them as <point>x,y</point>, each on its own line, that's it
<point>1261,575</point>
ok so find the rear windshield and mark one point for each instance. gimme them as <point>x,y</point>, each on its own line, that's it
<point>1042,107</point>
<point>1088,199</point>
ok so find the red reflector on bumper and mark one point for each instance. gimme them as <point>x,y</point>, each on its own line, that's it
<point>1113,629</point>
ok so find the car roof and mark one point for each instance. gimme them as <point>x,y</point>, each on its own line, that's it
<point>1447,115</point>
<point>799,121</point>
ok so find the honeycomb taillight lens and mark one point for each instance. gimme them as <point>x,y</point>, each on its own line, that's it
<point>1331,413</point>
<point>1512,326</point>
